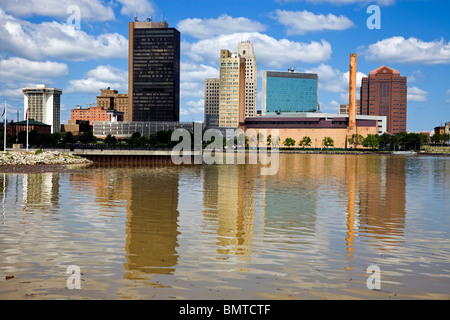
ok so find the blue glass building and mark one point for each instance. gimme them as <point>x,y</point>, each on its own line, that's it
<point>289,92</point>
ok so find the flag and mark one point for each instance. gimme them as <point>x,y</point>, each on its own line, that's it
<point>4,110</point>
<point>26,115</point>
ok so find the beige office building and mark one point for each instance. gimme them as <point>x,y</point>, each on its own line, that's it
<point>212,102</point>
<point>231,89</point>
<point>245,50</point>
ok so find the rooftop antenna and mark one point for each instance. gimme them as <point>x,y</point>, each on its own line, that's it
<point>136,19</point>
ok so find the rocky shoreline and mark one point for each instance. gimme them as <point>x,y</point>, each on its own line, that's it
<point>16,162</point>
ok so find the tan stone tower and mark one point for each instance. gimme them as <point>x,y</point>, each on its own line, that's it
<point>245,50</point>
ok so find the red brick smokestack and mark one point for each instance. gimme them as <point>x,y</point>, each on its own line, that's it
<point>352,93</point>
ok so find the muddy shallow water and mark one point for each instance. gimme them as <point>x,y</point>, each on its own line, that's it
<point>227,232</point>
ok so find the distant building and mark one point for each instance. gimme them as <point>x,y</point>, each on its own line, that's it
<point>439,130</point>
<point>112,99</point>
<point>14,128</point>
<point>153,72</point>
<point>316,125</point>
<point>231,89</point>
<point>344,108</point>
<point>384,93</point>
<point>289,92</point>
<point>246,51</point>
<point>76,127</point>
<point>95,114</point>
<point>212,103</point>
<point>123,130</point>
<point>43,104</point>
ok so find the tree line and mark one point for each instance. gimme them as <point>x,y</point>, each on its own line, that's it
<point>388,142</point>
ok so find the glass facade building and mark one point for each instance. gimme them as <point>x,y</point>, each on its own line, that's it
<point>154,72</point>
<point>289,92</point>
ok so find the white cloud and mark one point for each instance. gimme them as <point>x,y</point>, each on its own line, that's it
<point>143,8</point>
<point>269,51</point>
<point>417,95</point>
<point>331,107</point>
<point>206,28</point>
<point>20,69</point>
<point>57,40</point>
<point>412,51</point>
<point>89,9</point>
<point>302,22</point>
<point>333,80</point>
<point>197,72</point>
<point>100,78</point>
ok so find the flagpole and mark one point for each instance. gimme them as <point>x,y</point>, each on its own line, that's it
<point>4,136</point>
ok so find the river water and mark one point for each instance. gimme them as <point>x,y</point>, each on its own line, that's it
<point>311,231</point>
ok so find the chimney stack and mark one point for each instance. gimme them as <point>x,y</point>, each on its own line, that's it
<point>352,94</point>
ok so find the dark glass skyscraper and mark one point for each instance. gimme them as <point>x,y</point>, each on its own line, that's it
<point>153,72</point>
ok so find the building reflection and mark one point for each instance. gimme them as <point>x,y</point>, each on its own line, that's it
<point>152,222</point>
<point>41,191</point>
<point>290,196</point>
<point>229,201</point>
<point>376,191</point>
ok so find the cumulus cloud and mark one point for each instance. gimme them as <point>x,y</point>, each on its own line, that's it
<point>269,51</point>
<point>302,22</point>
<point>333,80</point>
<point>100,78</point>
<point>206,28</point>
<point>19,69</point>
<point>89,9</point>
<point>57,40</point>
<point>410,51</point>
<point>417,95</point>
<point>143,8</point>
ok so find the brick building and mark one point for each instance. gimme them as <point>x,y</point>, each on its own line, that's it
<point>384,93</point>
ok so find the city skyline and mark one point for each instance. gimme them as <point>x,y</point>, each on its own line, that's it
<point>41,45</point>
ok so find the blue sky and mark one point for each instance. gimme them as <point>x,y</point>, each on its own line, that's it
<point>41,43</point>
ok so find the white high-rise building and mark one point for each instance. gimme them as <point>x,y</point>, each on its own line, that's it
<point>245,50</point>
<point>43,104</point>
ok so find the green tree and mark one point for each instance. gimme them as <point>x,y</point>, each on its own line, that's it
<point>110,139</point>
<point>328,142</point>
<point>86,137</point>
<point>305,142</point>
<point>371,141</point>
<point>289,142</point>
<point>69,138</point>
<point>355,140</point>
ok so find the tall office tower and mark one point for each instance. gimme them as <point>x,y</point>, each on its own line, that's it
<point>43,104</point>
<point>289,92</point>
<point>211,103</point>
<point>231,89</point>
<point>153,72</point>
<point>384,93</point>
<point>245,50</point>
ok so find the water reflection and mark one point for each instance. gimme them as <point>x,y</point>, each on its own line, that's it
<point>318,219</point>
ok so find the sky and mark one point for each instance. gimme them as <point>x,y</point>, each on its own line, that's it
<point>81,46</point>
